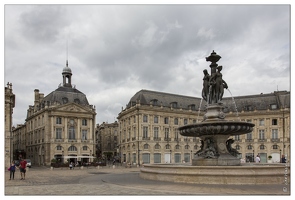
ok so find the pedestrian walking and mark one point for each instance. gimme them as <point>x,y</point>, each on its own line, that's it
<point>12,170</point>
<point>257,159</point>
<point>22,169</point>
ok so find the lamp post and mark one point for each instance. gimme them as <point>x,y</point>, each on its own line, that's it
<point>62,157</point>
<point>191,155</point>
<point>138,157</point>
<point>280,155</point>
<point>253,155</point>
<point>170,155</point>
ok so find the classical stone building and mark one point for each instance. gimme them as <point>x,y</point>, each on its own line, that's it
<point>107,140</point>
<point>148,126</point>
<point>58,126</point>
<point>8,109</point>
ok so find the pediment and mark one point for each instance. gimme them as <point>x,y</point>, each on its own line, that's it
<point>72,108</point>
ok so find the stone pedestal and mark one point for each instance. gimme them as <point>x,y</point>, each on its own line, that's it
<point>215,152</point>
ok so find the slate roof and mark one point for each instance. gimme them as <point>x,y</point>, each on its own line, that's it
<point>250,102</point>
<point>72,95</point>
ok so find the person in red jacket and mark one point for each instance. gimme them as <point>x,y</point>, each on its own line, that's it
<point>22,169</point>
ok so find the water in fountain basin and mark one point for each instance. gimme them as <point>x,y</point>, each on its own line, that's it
<point>236,109</point>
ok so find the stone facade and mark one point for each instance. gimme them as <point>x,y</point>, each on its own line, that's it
<point>148,126</point>
<point>58,126</point>
<point>9,105</point>
<point>107,140</point>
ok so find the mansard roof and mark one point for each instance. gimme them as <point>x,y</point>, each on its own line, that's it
<point>275,100</point>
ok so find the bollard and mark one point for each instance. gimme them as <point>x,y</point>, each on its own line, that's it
<point>81,167</point>
<point>51,168</point>
<point>98,167</point>
<point>114,166</point>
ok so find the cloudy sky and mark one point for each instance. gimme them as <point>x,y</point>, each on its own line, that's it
<point>116,50</point>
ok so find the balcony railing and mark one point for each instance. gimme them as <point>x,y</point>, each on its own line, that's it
<point>249,140</point>
<point>261,140</point>
<point>146,138</point>
<point>59,140</point>
<point>275,140</point>
<point>157,139</point>
<point>167,139</point>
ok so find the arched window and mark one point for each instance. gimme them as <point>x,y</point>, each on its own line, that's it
<point>177,147</point>
<point>196,147</point>
<point>249,147</point>
<point>85,148</point>
<point>59,147</point>
<point>157,146</point>
<point>72,148</point>
<point>167,146</point>
<point>146,146</point>
<point>238,147</point>
<point>262,147</point>
<point>186,146</point>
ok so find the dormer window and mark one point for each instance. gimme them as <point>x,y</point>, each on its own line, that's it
<point>64,100</point>
<point>77,101</point>
<point>173,105</point>
<point>273,106</point>
<point>154,102</point>
<point>192,107</point>
<point>248,108</point>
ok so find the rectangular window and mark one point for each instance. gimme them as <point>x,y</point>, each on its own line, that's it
<point>166,133</point>
<point>185,121</point>
<point>177,158</point>
<point>145,118</point>
<point>84,122</point>
<point>156,119</point>
<point>134,132</point>
<point>58,120</point>
<point>156,132</point>
<point>146,158</point>
<point>145,132</point>
<point>134,157</point>
<point>72,135</point>
<point>157,158</point>
<point>249,136</point>
<point>261,134</point>
<point>187,157</point>
<point>274,122</point>
<point>58,133</point>
<point>261,122</point>
<point>176,133</point>
<point>176,121</point>
<point>166,120</point>
<point>237,137</point>
<point>84,134</point>
<point>274,133</point>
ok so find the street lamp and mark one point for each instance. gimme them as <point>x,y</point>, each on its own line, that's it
<point>138,157</point>
<point>170,155</point>
<point>253,155</point>
<point>280,155</point>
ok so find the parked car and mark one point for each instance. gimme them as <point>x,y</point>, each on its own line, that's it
<point>29,164</point>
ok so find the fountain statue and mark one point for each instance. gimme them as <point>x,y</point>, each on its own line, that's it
<point>214,130</point>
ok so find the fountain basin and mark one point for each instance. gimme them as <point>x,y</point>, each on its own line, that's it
<point>246,174</point>
<point>221,127</point>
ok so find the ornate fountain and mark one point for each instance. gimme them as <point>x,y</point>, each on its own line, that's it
<point>216,161</point>
<point>214,130</point>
